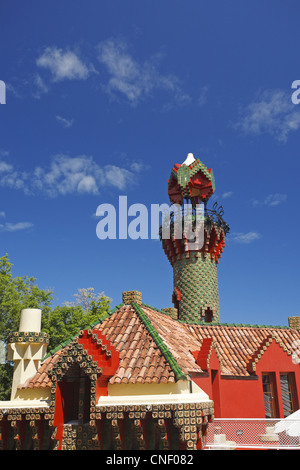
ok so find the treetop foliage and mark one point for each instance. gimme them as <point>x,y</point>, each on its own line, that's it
<point>60,322</point>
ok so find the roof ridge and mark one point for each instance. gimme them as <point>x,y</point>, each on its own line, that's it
<point>246,325</point>
<point>262,347</point>
<point>110,312</point>
<point>156,309</point>
<point>88,327</point>
<point>159,343</point>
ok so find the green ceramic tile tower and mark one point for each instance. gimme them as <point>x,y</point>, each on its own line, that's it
<point>195,278</point>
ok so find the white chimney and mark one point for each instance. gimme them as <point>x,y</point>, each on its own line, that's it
<point>27,348</point>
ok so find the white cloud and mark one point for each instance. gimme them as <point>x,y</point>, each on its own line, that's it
<point>137,167</point>
<point>4,167</point>
<point>119,177</point>
<point>87,184</point>
<point>11,178</point>
<point>68,175</point>
<point>245,238</point>
<point>227,194</point>
<point>65,122</point>
<point>203,96</point>
<point>272,113</point>
<point>14,90</point>
<point>41,86</point>
<point>134,80</point>
<point>271,200</point>
<point>15,227</point>
<point>63,64</point>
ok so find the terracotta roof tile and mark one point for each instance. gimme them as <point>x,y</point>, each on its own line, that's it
<point>139,355</point>
<point>234,357</point>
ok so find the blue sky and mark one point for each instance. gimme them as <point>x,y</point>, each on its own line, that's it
<point>103,97</point>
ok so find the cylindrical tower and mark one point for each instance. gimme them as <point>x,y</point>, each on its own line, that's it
<point>195,278</point>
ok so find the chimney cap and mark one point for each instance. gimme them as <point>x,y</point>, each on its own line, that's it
<point>132,296</point>
<point>30,320</point>
<point>294,322</point>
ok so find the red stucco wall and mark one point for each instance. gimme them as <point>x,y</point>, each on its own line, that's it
<point>242,397</point>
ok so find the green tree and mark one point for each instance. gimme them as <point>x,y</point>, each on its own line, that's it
<point>61,322</point>
<point>64,322</point>
<point>6,371</point>
<point>16,293</point>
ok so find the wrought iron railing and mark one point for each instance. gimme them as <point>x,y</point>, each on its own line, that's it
<point>187,212</point>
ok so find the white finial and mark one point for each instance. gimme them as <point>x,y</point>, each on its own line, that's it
<point>189,159</point>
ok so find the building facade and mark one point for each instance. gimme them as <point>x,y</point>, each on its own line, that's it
<point>147,378</point>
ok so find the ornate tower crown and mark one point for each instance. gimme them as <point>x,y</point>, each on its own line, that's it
<point>195,280</point>
<point>192,181</point>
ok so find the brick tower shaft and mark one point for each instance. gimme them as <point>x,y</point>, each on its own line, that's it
<point>196,294</point>
<point>195,278</point>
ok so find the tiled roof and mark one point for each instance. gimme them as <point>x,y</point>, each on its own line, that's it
<point>154,348</point>
<point>237,344</point>
<point>140,358</point>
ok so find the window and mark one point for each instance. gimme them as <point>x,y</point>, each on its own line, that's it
<point>287,393</point>
<point>75,392</point>
<point>208,315</point>
<point>270,396</point>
